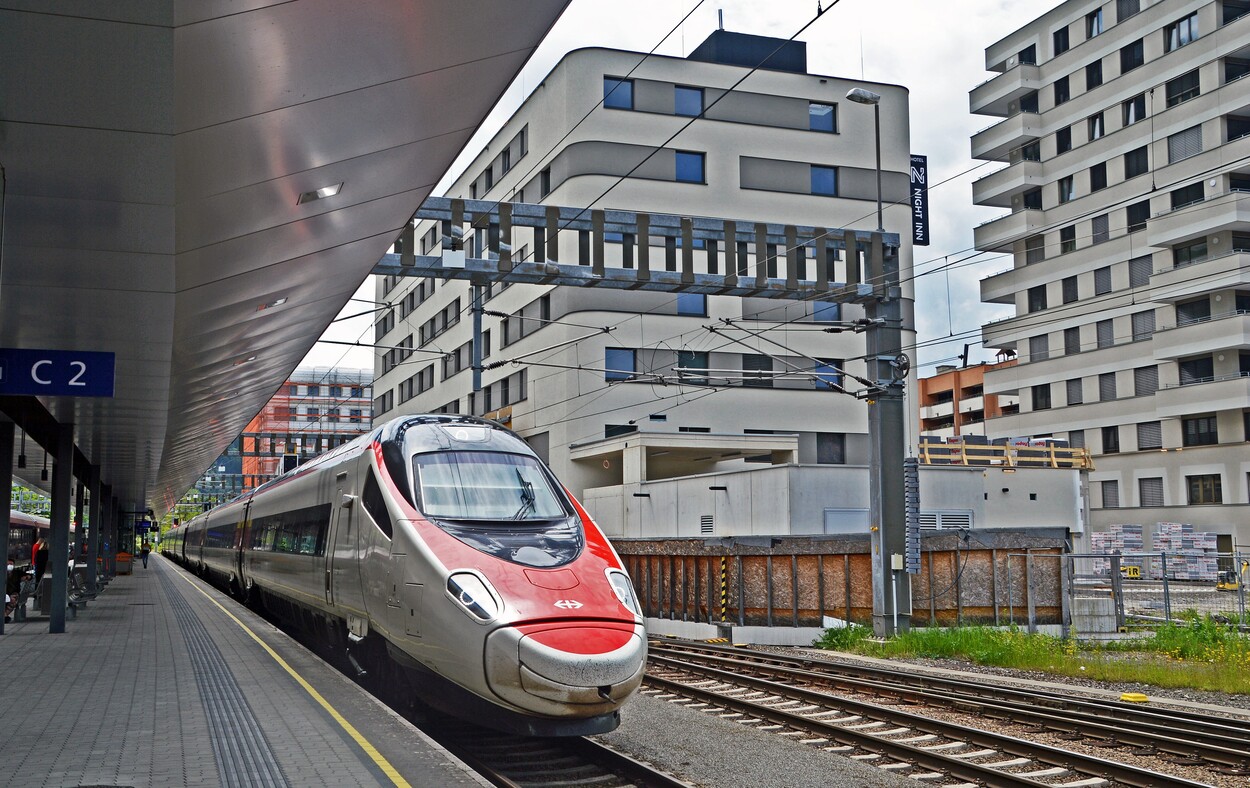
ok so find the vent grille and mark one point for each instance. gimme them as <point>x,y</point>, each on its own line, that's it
<point>706,525</point>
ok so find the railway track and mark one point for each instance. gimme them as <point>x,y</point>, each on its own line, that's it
<point>753,688</point>
<point>1186,737</point>
<point>522,762</point>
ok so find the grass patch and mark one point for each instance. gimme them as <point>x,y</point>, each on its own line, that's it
<point>1198,653</point>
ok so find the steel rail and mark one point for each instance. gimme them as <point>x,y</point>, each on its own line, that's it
<point>1119,773</point>
<point>1083,717</point>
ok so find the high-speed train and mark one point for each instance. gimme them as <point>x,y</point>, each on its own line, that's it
<point>445,558</point>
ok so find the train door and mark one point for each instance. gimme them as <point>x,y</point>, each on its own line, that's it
<point>243,538</point>
<point>344,549</point>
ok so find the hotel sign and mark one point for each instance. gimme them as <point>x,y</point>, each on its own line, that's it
<point>919,200</point>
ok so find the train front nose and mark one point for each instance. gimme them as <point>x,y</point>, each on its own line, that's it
<point>582,668</point>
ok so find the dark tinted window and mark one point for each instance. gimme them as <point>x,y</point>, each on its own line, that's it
<point>618,93</point>
<point>375,505</point>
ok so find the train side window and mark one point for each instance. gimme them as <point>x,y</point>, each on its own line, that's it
<point>375,505</point>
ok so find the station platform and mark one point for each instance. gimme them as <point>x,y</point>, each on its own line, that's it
<point>162,680</point>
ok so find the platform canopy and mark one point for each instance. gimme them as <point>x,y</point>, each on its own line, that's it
<point>199,186</point>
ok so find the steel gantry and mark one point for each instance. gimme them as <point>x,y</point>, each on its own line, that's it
<point>479,241</point>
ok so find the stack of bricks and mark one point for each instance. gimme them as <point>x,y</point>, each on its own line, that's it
<point>1190,555</point>
<point>1117,540</point>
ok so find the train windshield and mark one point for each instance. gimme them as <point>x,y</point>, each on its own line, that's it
<point>477,485</point>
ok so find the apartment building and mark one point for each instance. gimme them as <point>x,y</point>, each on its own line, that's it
<point>1123,133</point>
<point>953,401</point>
<point>575,368</point>
<point>315,410</point>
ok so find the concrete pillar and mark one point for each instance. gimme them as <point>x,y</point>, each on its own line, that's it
<point>6,493</point>
<point>634,465</point>
<point>58,544</point>
<point>95,515</point>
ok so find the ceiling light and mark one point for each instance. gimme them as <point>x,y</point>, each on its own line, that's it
<point>325,191</point>
<point>272,304</point>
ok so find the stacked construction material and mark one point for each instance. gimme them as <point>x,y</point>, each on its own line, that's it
<point>1190,555</point>
<point>1118,539</point>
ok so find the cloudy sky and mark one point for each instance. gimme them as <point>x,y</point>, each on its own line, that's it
<point>936,48</point>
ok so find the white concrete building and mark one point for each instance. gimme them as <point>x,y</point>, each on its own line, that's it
<point>613,129</point>
<point>1124,139</point>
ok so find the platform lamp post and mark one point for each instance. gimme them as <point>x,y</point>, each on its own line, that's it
<point>887,368</point>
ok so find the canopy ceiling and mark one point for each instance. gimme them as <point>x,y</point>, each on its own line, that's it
<point>154,154</point>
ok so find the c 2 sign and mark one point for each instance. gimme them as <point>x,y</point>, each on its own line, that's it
<point>56,373</point>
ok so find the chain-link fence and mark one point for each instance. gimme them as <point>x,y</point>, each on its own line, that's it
<point>1110,594</point>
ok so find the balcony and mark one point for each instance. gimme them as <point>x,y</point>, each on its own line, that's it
<point>1000,188</point>
<point>996,96</point>
<point>938,411</point>
<point>1229,392</point>
<point>1225,272</point>
<point>997,141</point>
<point>997,235</point>
<point>1227,211</point>
<point>971,404</point>
<point>1217,333</point>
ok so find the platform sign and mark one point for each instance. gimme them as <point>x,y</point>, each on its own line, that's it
<point>56,373</point>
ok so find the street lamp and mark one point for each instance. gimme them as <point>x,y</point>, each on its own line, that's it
<point>861,96</point>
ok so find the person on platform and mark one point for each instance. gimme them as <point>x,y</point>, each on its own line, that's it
<point>39,557</point>
<point>144,549</point>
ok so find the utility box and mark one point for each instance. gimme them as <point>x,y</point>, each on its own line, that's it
<point>124,561</point>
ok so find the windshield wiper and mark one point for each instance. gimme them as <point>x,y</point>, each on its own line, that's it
<point>528,499</point>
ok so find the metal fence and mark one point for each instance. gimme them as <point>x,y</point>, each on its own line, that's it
<point>1115,594</point>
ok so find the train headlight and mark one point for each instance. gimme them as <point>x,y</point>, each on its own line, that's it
<point>624,590</point>
<point>474,595</point>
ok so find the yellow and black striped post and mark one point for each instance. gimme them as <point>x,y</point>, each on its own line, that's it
<point>724,588</point>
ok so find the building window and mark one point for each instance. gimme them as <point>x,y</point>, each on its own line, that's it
<point>1236,127</point>
<point>1032,199</point>
<point>1149,435</point>
<point>824,181</point>
<point>692,304</point>
<point>1126,8</point>
<point>1062,92</point>
<point>1150,491</point>
<point>696,360</point>
<point>544,183</point>
<point>1076,392</point>
<point>1137,214</point>
<point>1132,56</point>
<point>1098,177</point>
<point>822,117</point>
<point>1204,488</point>
<point>1034,249</point>
<point>1235,9</point>
<point>1063,140</point>
<point>1093,23</point>
<point>1184,144</point>
<point>1100,228</point>
<point>1031,151</point>
<point>1111,439</point>
<point>1060,38</point>
<point>1186,195</point>
<point>687,101</point>
<point>1102,280</point>
<point>1037,298</point>
<point>1187,254</point>
<point>1069,289</point>
<point>1136,162</point>
<point>1028,102</point>
<point>1072,341</point>
<point>1104,330</point>
<point>1028,55</point>
<point>830,448</point>
<point>1110,494</point>
<point>1093,75</point>
<point>1067,189</point>
<point>1182,88</point>
<point>689,166</point>
<point>828,373</point>
<point>1199,431</point>
<point>1041,397</point>
<point>1039,347</point>
<point>1180,33</point>
<point>1106,387</point>
<point>618,93</point>
<point>1096,127</point>
<point>757,371</point>
<point>619,363</point>
<point>1067,239</point>
<point>1143,325</point>
<point>1196,370</point>
<point>1076,439</point>
<point>1134,109</point>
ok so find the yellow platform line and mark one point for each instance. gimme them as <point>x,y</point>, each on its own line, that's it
<point>378,759</point>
